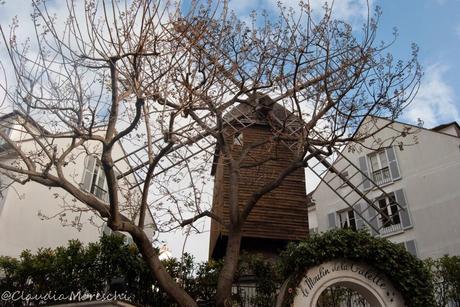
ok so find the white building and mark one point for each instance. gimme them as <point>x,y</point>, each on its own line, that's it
<point>420,171</point>
<point>33,216</point>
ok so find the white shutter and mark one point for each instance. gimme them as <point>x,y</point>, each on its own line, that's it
<point>90,162</point>
<point>364,172</point>
<point>404,213</point>
<point>332,219</point>
<point>373,219</point>
<point>358,220</point>
<point>106,194</point>
<point>393,164</point>
<point>411,247</point>
<point>106,230</point>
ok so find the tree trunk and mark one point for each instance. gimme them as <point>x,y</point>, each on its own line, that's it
<point>158,270</point>
<point>224,284</point>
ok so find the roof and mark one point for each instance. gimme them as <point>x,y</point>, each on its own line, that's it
<point>28,118</point>
<point>259,110</point>
<point>453,124</point>
<point>442,126</point>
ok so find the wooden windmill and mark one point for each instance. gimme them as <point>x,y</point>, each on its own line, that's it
<point>280,216</point>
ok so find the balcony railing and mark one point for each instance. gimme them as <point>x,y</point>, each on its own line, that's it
<point>382,176</point>
<point>391,229</point>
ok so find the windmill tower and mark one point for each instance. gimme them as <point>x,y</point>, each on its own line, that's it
<point>280,216</point>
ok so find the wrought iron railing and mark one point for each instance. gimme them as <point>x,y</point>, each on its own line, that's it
<point>391,229</point>
<point>382,176</point>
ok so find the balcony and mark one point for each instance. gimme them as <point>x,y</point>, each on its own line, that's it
<point>382,176</point>
<point>391,229</point>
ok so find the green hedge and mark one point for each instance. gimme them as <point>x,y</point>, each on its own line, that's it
<point>106,267</point>
<point>109,265</point>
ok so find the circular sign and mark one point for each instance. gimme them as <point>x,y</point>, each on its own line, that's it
<point>373,286</point>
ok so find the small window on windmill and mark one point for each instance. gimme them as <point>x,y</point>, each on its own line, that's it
<point>238,139</point>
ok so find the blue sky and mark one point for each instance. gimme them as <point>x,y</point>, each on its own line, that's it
<point>435,26</point>
<point>432,24</point>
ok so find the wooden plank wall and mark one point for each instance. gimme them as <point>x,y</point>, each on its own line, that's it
<point>282,213</point>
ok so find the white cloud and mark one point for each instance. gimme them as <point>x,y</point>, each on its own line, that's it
<point>243,6</point>
<point>348,10</point>
<point>435,101</point>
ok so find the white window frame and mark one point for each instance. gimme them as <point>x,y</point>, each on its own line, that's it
<point>98,179</point>
<point>391,221</point>
<point>381,174</point>
<point>345,221</point>
<point>97,184</point>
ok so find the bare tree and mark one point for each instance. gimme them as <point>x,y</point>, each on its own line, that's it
<point>163,80</point>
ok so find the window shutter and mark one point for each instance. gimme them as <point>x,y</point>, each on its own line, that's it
<point>106,230</point>
<point>106,194</point>
<point>90,162</point>
<point>404,214</point>
<point>332,220</point>
<point>411,247</point>
<point>359,220</point>
<point>393,164</point>
<point>373,219</point>
<point>365,172</point>
<point>106,188</point>
<point>3,185</point>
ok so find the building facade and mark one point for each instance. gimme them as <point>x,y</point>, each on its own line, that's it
<point>419,171</point>
<point>33,216</point>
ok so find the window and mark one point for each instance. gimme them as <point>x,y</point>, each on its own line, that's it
<point>379,167</point>
<point>347,219</point>
<point>94,180</point>
<point>238,139</point>
<point>313,230</point>
<point>409,246</point>
<point>389,211</point>
<point>127,239</point>
<point>98,182</point>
